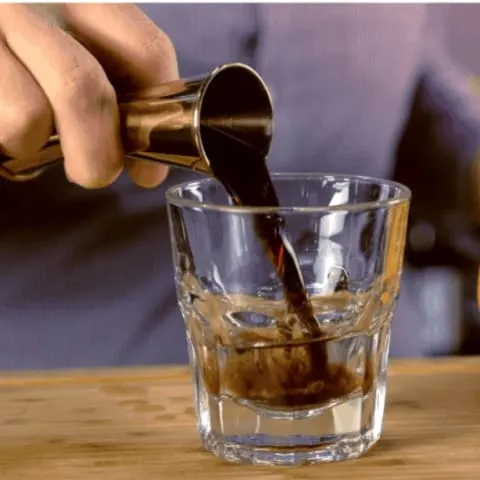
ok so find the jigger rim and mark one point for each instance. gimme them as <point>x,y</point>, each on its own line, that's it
<point>402,195</point>
<point>204,89</point>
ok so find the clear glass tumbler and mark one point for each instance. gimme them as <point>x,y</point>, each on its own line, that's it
<point>264,391</point>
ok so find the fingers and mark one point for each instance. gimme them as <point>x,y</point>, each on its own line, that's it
<point>81,97</point>
<point>48,75</point>
<point>26,120</point>
<point>146,174</point>
<point>135,53</point>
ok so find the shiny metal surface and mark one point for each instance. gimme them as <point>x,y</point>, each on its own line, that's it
<point>167,123</point>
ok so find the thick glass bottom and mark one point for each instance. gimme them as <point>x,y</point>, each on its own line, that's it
<point>239,429</point>
<point>273,451</point>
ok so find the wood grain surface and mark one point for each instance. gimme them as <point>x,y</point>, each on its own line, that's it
<point>139,424</point>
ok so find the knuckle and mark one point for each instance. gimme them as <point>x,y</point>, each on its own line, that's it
<point>85,87</point>
<point>158,49</point>
<point>25,127</point>
<point>32,118</point>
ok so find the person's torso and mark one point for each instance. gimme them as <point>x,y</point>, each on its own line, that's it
<point>87,276</point>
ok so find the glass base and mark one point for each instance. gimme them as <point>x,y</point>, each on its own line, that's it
<point>337,432</point>
<point>347,447</point>
<point>240,430</point>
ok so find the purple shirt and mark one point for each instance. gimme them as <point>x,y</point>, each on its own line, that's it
<point>87,277</point>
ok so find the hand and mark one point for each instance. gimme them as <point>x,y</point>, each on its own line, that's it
<point>54,80</point>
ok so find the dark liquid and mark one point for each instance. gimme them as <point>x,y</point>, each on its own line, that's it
<point>298,376</point>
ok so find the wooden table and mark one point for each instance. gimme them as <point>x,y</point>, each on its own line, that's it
<point>139,424</point>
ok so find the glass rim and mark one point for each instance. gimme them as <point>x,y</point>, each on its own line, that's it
<point>173,198</point>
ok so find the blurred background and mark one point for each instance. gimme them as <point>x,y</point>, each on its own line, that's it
<point>122,229</point>
<point>462,40</point>
<point>463,34</point>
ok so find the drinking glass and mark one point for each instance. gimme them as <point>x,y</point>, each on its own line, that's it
<point>265,391</point>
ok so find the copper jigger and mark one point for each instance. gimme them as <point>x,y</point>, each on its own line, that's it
<point>168,123</point>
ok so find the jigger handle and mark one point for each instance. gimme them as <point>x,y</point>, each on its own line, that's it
<point>23,169</point>
<point>166,124</point>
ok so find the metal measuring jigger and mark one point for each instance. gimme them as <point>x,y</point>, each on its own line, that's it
<point>171,123</point>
